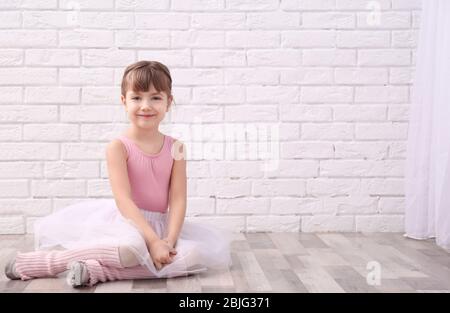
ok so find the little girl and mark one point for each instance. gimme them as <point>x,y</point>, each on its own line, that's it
<point>141,233</point>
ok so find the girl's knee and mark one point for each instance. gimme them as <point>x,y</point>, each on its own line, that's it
<point>127,257</point>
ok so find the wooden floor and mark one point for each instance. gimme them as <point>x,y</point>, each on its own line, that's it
<point>285,262</point>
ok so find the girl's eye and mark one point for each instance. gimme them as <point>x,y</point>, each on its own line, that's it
<point>157,98</point>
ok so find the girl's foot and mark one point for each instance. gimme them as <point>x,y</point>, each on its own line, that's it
<point>10,269</point>
<point>78,275</point>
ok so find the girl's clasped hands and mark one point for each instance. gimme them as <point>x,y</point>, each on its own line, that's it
<point>162,252</point>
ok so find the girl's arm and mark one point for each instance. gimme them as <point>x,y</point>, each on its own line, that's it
<point>177,193</point>
<point>118,176</point>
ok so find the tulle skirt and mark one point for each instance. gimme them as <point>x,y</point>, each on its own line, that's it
<point>99,222</point>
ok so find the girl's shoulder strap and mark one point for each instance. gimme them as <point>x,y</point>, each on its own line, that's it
<point>170,141</point>
<point>126,144</point>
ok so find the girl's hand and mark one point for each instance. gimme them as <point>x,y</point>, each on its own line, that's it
<point>161,253</point>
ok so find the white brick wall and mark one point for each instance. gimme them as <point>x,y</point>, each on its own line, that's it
<point>333,75</point>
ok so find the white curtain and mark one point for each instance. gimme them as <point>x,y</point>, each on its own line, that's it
<point>427,213</point>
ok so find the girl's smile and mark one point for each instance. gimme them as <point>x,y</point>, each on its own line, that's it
<point>146,116</point>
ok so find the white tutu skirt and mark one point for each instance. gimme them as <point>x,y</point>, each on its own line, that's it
<point>99,222</point>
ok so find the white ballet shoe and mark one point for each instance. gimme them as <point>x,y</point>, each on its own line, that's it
<point>10,269</point>
<point>78,275</point>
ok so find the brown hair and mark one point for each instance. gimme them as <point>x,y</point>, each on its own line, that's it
<point>141,75</point>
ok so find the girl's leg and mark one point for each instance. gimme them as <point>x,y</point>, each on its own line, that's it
<point>190,263</point>
<point>50,263</point>
<point>102,273</point>
<point>127,257</point>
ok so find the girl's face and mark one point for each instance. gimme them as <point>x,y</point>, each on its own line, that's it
<point>146,109</point>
